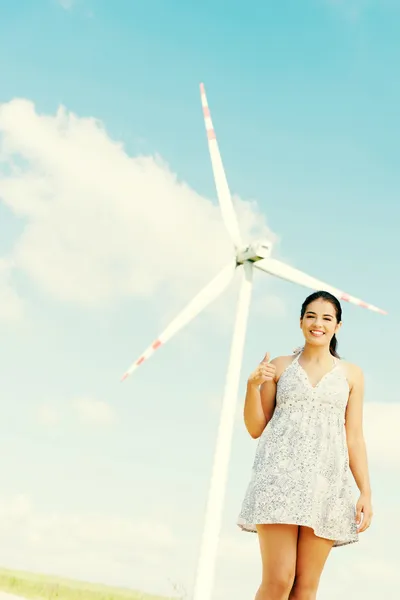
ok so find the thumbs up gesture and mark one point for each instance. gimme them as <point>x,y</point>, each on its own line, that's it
<point>264,372</point>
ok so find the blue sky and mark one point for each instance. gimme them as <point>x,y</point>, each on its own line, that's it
<point>99,251</point>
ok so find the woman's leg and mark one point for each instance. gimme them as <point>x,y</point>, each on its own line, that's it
<point>312,553</point>
<point>278,545</point>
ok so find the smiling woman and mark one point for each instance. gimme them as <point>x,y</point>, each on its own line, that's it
<point>331,319</point>
<point>307,411</point>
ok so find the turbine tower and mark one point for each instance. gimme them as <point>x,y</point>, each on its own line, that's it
<point>246,257</point>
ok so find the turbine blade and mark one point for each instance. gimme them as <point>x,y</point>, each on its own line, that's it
<point>224,196</point>
<point>284,271</point>
<point>209,293</point>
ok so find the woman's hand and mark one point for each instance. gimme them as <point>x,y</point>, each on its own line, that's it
<point>364,508</point>
<point>264,372</point>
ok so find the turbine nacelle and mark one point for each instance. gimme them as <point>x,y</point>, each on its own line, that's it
<point>257,250</point>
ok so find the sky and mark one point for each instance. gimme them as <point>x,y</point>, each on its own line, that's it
<point>109,224</point>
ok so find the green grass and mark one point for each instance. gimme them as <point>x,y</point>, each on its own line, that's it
<point>45,587</point>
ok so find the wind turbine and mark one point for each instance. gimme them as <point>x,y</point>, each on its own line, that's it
<point>246,257</point>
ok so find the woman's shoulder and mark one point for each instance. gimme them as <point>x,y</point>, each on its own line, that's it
<point>281,363</point>
<point>354,373</point>
<point>352,367</point>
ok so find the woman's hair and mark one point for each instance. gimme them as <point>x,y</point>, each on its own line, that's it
<point>338,310</point>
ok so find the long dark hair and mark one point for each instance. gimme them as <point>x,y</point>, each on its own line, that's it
<point>338,310</point>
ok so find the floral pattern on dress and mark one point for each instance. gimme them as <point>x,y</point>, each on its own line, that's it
<point>301,473</point>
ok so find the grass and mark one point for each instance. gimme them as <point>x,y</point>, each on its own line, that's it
<point>45,587</point>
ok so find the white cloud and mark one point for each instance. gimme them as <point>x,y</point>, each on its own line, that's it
<point>14,510</point>
<point>96,546</point>
<point>66,4</point>
<point>267,304</point>
<point>381,421</point>
<point>101,226</point>
<point>94,412</point>
<point>351,10</point>
<point>11,304</point>
<point>81,409</point>
<point>48,415</point>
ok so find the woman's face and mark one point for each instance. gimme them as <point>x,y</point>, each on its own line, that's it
<point>319,323</point>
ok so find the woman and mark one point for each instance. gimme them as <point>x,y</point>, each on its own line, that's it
<point>307,411</point>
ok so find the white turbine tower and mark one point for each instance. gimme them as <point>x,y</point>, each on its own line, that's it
<point>245,257</point>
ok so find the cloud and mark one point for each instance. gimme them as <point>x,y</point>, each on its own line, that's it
<point>11,304</point>
<point>101,226</point>
<point>66,4</point>
<point>48,415</point>
<point>351,10</point>
<point>97,546</point>
<point>82,409</point>
<point>381,421</point>
<point>267,304</point>
<point>94,412</point>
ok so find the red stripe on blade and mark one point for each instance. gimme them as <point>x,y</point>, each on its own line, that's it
<point>141,359</point>
<point>156,344</point>
<point>211,134</point>
<point>206,111</point>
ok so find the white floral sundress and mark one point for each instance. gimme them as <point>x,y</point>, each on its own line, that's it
<point>301,474</point>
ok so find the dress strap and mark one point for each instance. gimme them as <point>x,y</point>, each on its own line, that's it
<point>297,351</point>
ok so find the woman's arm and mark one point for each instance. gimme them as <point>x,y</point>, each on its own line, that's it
<point>356,446</point>
<point>254,417</point>
<point>259,404</point>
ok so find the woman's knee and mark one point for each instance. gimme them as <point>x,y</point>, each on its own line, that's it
<point>304,590</point>
<point>277,585</point>
<point>278,545</point>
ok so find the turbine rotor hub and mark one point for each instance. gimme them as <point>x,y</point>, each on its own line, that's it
<point>256,250</point>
